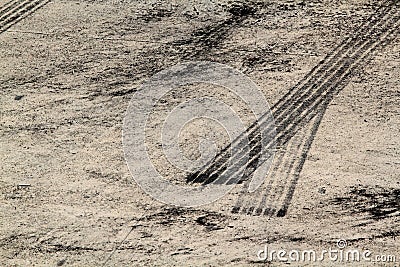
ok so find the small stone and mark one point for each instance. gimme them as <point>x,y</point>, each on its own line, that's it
<point>61,262</point>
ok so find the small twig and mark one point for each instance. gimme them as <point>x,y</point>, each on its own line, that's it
<point>123,240</point>
<point>23,185</point>
<point>43,33</point>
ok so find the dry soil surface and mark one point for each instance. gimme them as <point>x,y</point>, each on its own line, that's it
<point>70,68</point>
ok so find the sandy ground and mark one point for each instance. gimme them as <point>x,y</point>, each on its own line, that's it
<point>68,72</point>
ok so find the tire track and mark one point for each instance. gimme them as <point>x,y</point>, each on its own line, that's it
<point>268,202</point>
<point>297,161</point>
<point>9,6</point>
<point>310,97</point>
<point>294,105</point>
<point>14,11</point>
<point>299,165</point>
